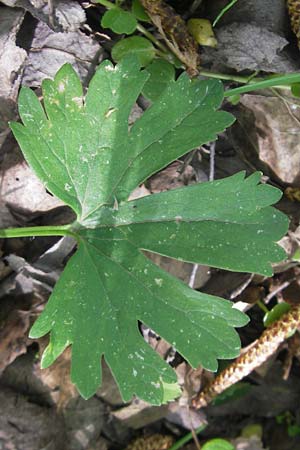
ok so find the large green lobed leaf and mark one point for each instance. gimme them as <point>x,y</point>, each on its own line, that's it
<point>85,153</point>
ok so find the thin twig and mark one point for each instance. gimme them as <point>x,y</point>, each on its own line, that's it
<point>194,6</point>
<point>278,290</point>
<point>287,105</point>
<point>51,11</point>
<point>211,178</point>
<point>212,154</point>
<point>193,276</point>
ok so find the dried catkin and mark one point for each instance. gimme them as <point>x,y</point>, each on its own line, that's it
<point>265,346</point>
<point>294,13</point>
<point>154,442</point>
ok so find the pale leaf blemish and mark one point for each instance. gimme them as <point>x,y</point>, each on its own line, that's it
<point>54,101</point>
<point>68,187</point>
<point>61,87</point>
<point>109,112</point>
<point>158,281</point>
<point>77,101</point>
<point>110,68</point>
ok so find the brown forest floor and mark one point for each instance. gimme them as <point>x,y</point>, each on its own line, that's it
<point>41,410</point>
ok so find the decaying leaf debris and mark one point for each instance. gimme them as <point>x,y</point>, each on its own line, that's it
<point>174,30</point>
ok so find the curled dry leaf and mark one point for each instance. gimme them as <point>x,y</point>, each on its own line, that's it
<point>276,132</point>
<point>174,31</point>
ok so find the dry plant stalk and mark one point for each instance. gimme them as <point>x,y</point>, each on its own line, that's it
<point>263,348</point>
<point>294,13</point>
<point>174,31</point>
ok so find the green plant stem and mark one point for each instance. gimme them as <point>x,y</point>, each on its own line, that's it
<point>188,437</point>
<point>279,82</point>
<point>227,77</point>
<point>224,10</point>
<point>262,306</point>
<point>61,230</point>
<point>152,38</point>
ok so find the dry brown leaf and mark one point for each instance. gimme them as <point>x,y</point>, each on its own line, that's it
<point>20,189</point>
<point>277,125</point>
<point>57,377</point>
<point>175,33</point>
<point>13,336</point>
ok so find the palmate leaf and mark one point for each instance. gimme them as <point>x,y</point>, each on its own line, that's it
<point>119,21</point>
<point>84,152</point>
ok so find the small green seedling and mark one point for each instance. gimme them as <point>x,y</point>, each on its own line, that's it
<point>85,153</point>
